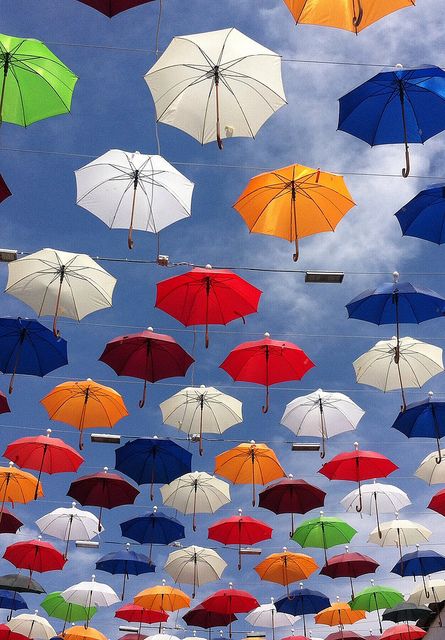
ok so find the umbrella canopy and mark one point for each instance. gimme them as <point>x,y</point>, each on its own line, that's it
<point>374,598</point>
<point>239,530</point>
<point>349,565</point>
<point>399,533</point>
<point>153,528</point>
<point>146,355</point>
<point>346,635</point>
<point>58,283</point>
<point>85,404</point>
<point>196,492</point>
<point>343,15</point>
<point>195,565</point>
<point>9,523</point>
<point>20,583</point>
<point>216,85</point>
<point>207,296</point>
<point>69,524</point>
<point>339,614</point>
<point>266,615</point>
<point>32,626</point>
<point>437,502</point>
<point>403,632</point>
<point>249,463</point>
<point>56,607</point>
<point>323,532</point>
<point>321,414</point>
<point>4,189</point>
<point>424,215</point>
<point>111,8</point>
<point>162,598</point>
<point>433,593</point>
<point>266,362</point>
<point>136,613</point>
<point>152,461</point>
<point>126,563</point>
<point>90,594</point>
<point>286,567</point>
<point>301,602</point>
<point>82,633</point>
<point>134,191</point>
<point>35,84</point>
<point>430,470</point>
<point>423,419</point>
<point>419,563</point>
<point>28,347</point>
<point>406,611</point>
<point>11,600</point>
<point>17,486</point>
<point>35,555</point>
<point>199,616</point>
<point>4,406</point>
<point>294,202</point>
<point>201,410</point>
<point>230,601</point>
<point>397,106</point>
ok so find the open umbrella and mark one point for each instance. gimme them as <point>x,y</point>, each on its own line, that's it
<point>345,635</point>
<point>35,555</point>
<point>9,523</point>
<point>196,492</point>
<point>230,601</point>
<point>399,533</point>
<point>201,410</point>
<point>4,189</point>
<point>292,496</point>
<point>433,593</point>
<point>323,533</point>
<point>136,613</point>
<point>153,528</point>
<point>249,463</point>
<point>266,615</point>
<point>301,602</point>
<point>206,296</point>
<point>294,202</point>
<point>58,283</point>
<point>11,600</point>
<point>17,486</point>
<point>195,565</point>
<point>420,563</point>
<point>339,614</point>
<point>406,611</point>
<point>35,84</point>
<point>199,616</point>
<point>424,215</point>
<point>56,607</point>
<point>321,414</point>
<point>216,85</point>
<point>266,362</point>
<point>349,565</point>
<point>125,563</point>
<point>374,598</point>
<point>111,8</point>
<point>417,363</point>
<point>27,347</point>
<point>69,524</point>
<point>32,626</point>
<point>239,530</point>
<point>20,583</point>
<point>82,633</point>
<point>430,470</point>
<point>286,567</point>
<point>146,355</point>
<point>90,594</point>
<point>162,598</point>
<point>133,191</point>
<point>423,419</point>
<point>403,632</point>
<point>437,502</point>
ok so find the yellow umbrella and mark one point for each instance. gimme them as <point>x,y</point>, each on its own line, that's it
<point>339,614</point>
<point>351,15</point>
<point>17,486</point>
<point>80,633</point>
<point>286,567</point>
<point>294,202</point>
<point>162,598</point>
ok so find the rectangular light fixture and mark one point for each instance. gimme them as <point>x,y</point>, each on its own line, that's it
<point>8,255</point>
<point>250,551</point>
<point>87,544</point>
<point>327,277</point>
<point>108,438</point>
<point>124,627</point>
<point>305,446</point>
<point>255,634</point>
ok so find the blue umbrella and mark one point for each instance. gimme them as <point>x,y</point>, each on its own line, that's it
<point>425,419</point>
<point>153,528</point>
<point>26,346</point>
<point>11,600</point>
<point>403,105</point>
<point>424,215</point>
<point>152,460</point>
<point>419,563</point>
<point>125,562</point>
<point>302,601</point>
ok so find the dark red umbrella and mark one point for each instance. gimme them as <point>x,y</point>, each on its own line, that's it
<point>104,490</point>
<point>207,296</point>
<point>358,466</point>
<point>7,634</point>
<point>35,555</point>
<point>345,634</point>
<point>199,616</point>
<point>9,522</point>
<point>291,496</point>
<point>4,406</point>
<point>267,362</point>
<point>229,601</point>
<point>296,638</point>
<point>349,565</point>
<point>43,454</point>
<point>239,530</point>
<point>403,632</point>
<point>136,613</point>
<point>437,502</point>
<point>4,190</point>
<point>147,355</point>
<point>112,7</point>
<point>132,636</point>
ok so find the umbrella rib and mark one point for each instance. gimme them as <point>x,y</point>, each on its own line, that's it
<point>19,89</point>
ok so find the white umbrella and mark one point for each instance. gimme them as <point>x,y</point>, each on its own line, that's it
<point>134,191</point>
<point>58,283</point>
<point>201,410</point>
<point>32,626</point>
<point>376,497</point>
<point>321,414</point>
<point>417,363</point>
<point>216,85</point>
<point>70,524</point>
<point>163,636</point>
<point>399,533</point>
<point>266,615</point>
<point>196,492</point>
<point>195,565</point>
<point>434,591</point>
<point>195,637</point>
<point>430,470</point>
<point>90,594</point>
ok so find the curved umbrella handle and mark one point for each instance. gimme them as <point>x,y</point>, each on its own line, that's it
<point>356,20</point>
<point>265,407</point>
<point>81,440</point>
<point>406,170</point>
<point>144,395</point>
<point>11,383</point>
<point>297,251</point>
<point>359,506</point>
<point>323,448</point>
<point>439,451</point>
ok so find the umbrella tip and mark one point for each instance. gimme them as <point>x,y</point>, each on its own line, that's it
<point>272,599</point>
<point>240,511</point>
<point>356,446</point>
<point>11,464</point>
<point>128,545</point>
<point>267,334</point>
<point>290,476</point>
<point>285,549</point>
<point>430,394</point>
<point>208,266</point>
<point>150,329</point>
<point>321,513</point>
<point>163,581</point>
<point>395,275</point>
<point>399,66</point>
<point>93,577</point>
<point>230,585</point>
<point>346,548</point>
<point>106,469</point>
<point>73,504</point>
<point>202,386</point>
<point>155,509</point>
<point>252,442</point>
<point>48,432</point>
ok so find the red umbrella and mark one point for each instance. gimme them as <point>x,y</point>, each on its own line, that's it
<point>349,565</point>
<point>267,362</point>
<point>239,530</point>
<point>296,638</point>
<point>228,601</point>
<point>199,616</point>
<point>358,466</point>
<point>104,490</point>
<point>136,613</point>
<point>437,502</point>
<point>7,634</point>
<point>9,522</point>
<point>147,355</point>
<point>403,632</point>
<point>207,296</point>
<point>43,454</point>
<point>4,190</point>
<point>110,8</point>
<point>35,555</point>
<point>291,496</point>
<point>4,406</point>
<point>132,636</point>
<point>344,634</point>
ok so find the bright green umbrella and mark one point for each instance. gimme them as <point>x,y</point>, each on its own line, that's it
<point>56,607</point>
<point>34,83</point>
<point>323,533</point>
<point>376,597</point>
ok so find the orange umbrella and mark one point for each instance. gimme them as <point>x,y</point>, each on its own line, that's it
<point>339,614</point>
<point>249,463</point>
<point>354,15</point>
<point>80,633</point>
<point>162,598</point>
<point>286,567</point>
<point>17,486</point>
<point>294,202</point>
<point>84,405</point>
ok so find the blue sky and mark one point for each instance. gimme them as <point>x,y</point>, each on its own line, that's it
<point>112,108</point>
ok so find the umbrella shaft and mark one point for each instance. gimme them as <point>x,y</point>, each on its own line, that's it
<point>5,73</point>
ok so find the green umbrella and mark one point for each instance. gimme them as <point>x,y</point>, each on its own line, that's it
<point>323,533</point>
<point>34,83</point>
<point>56,607</point>
<point>376,597</point>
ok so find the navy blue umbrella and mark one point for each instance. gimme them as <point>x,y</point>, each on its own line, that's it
<point>398,106</point>
<point>425,419</point>
<point>153,461</point>
<point>424,215</point>
<point>27,347</point>
<point>419,563</point>
<point>301,602</point>
<point>126,563</point>
<point>153,528</point>
<point>11,600</point>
